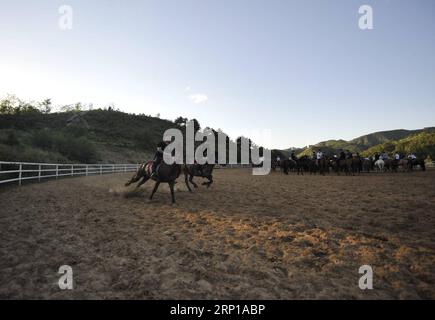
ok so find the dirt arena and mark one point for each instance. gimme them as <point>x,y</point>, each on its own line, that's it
<point>247,237</point>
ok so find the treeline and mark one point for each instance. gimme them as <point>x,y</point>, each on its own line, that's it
<point>39,132</point>
<point>421,144</point>
<point>47,145</point>
<point>31,132</point>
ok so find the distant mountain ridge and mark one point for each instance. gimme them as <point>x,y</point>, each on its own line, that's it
<point>359,144</point>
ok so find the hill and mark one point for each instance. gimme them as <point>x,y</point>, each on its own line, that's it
<point>31,133</point>
<point>422,144</point>
<point>365,142</point>
<point>88,136</point>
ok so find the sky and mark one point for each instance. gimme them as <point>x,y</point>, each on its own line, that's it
<point>302,69</point>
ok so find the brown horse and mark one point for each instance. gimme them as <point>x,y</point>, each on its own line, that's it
<point>349,166</point>
<point>322,165</point>
<point>166,174</point>
<point>192,170</point>
<point>418,162</point>
<point>344,165</point>
<point>405,164</point>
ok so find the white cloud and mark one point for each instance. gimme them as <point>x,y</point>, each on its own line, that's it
<point>198,98</point>
<point>187,89</point>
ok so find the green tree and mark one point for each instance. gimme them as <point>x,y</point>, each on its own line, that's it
<point>45,106</point>
<point>180,121</point>
<point>196,125</point>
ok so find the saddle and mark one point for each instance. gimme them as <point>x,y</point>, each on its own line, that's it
<point>149,168</point>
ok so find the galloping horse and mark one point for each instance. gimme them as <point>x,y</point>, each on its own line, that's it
<point>166,174</point>
<point>191,170</point>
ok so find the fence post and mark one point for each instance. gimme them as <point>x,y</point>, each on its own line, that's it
<point>20,174</point>
<point>57,171</point>
<point>125,168</point>
<point>101,169</point>
<point>39,173</point>
<point>86,170</point>
<point>113,168</point>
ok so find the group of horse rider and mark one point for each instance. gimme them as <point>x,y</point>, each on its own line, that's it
<point>316,157</point>
<point>347,154</point>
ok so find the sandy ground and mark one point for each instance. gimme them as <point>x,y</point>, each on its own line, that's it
<point>247,237</point>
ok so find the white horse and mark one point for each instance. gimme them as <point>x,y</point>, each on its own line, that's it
<point>379,164</point>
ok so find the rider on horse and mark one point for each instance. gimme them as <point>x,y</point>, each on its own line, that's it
<point>412,156</point>
<point>342,155</point>
<point>158,157</point>
<point>319,156</point>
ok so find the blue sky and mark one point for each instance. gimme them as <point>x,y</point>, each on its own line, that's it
<point>303,69</point>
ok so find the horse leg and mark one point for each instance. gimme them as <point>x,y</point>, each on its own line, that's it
<point>210,181</point>
<point>191,181</point>
<point>187,183</point>
<point>144,179</point>
<point>156,186</point>
<point>133,179</point>
<point>171,186</point>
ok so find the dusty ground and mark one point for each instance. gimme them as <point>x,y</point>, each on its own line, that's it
<point>247,237</point>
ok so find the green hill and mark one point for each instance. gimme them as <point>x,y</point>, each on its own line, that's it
<point>422,144</point>
<point>365,142</point>
<point>88,136</point>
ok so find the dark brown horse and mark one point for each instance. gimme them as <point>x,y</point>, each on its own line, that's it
<point>288,165</point>
<point>348,166</point>
<point>303,165</point>
<point>418,162</point>
<point>322,165</point>
<point>192,170</point>
<point>166,174</point>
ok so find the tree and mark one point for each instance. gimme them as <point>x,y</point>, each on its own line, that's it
<point>9,104</point>
<point>196,126</point>
<point>45,106</point>
<point>6,106</point>
<point>67,108</point>
<point>181,121</point>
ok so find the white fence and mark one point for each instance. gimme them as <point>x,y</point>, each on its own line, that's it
<point>20,171</point>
